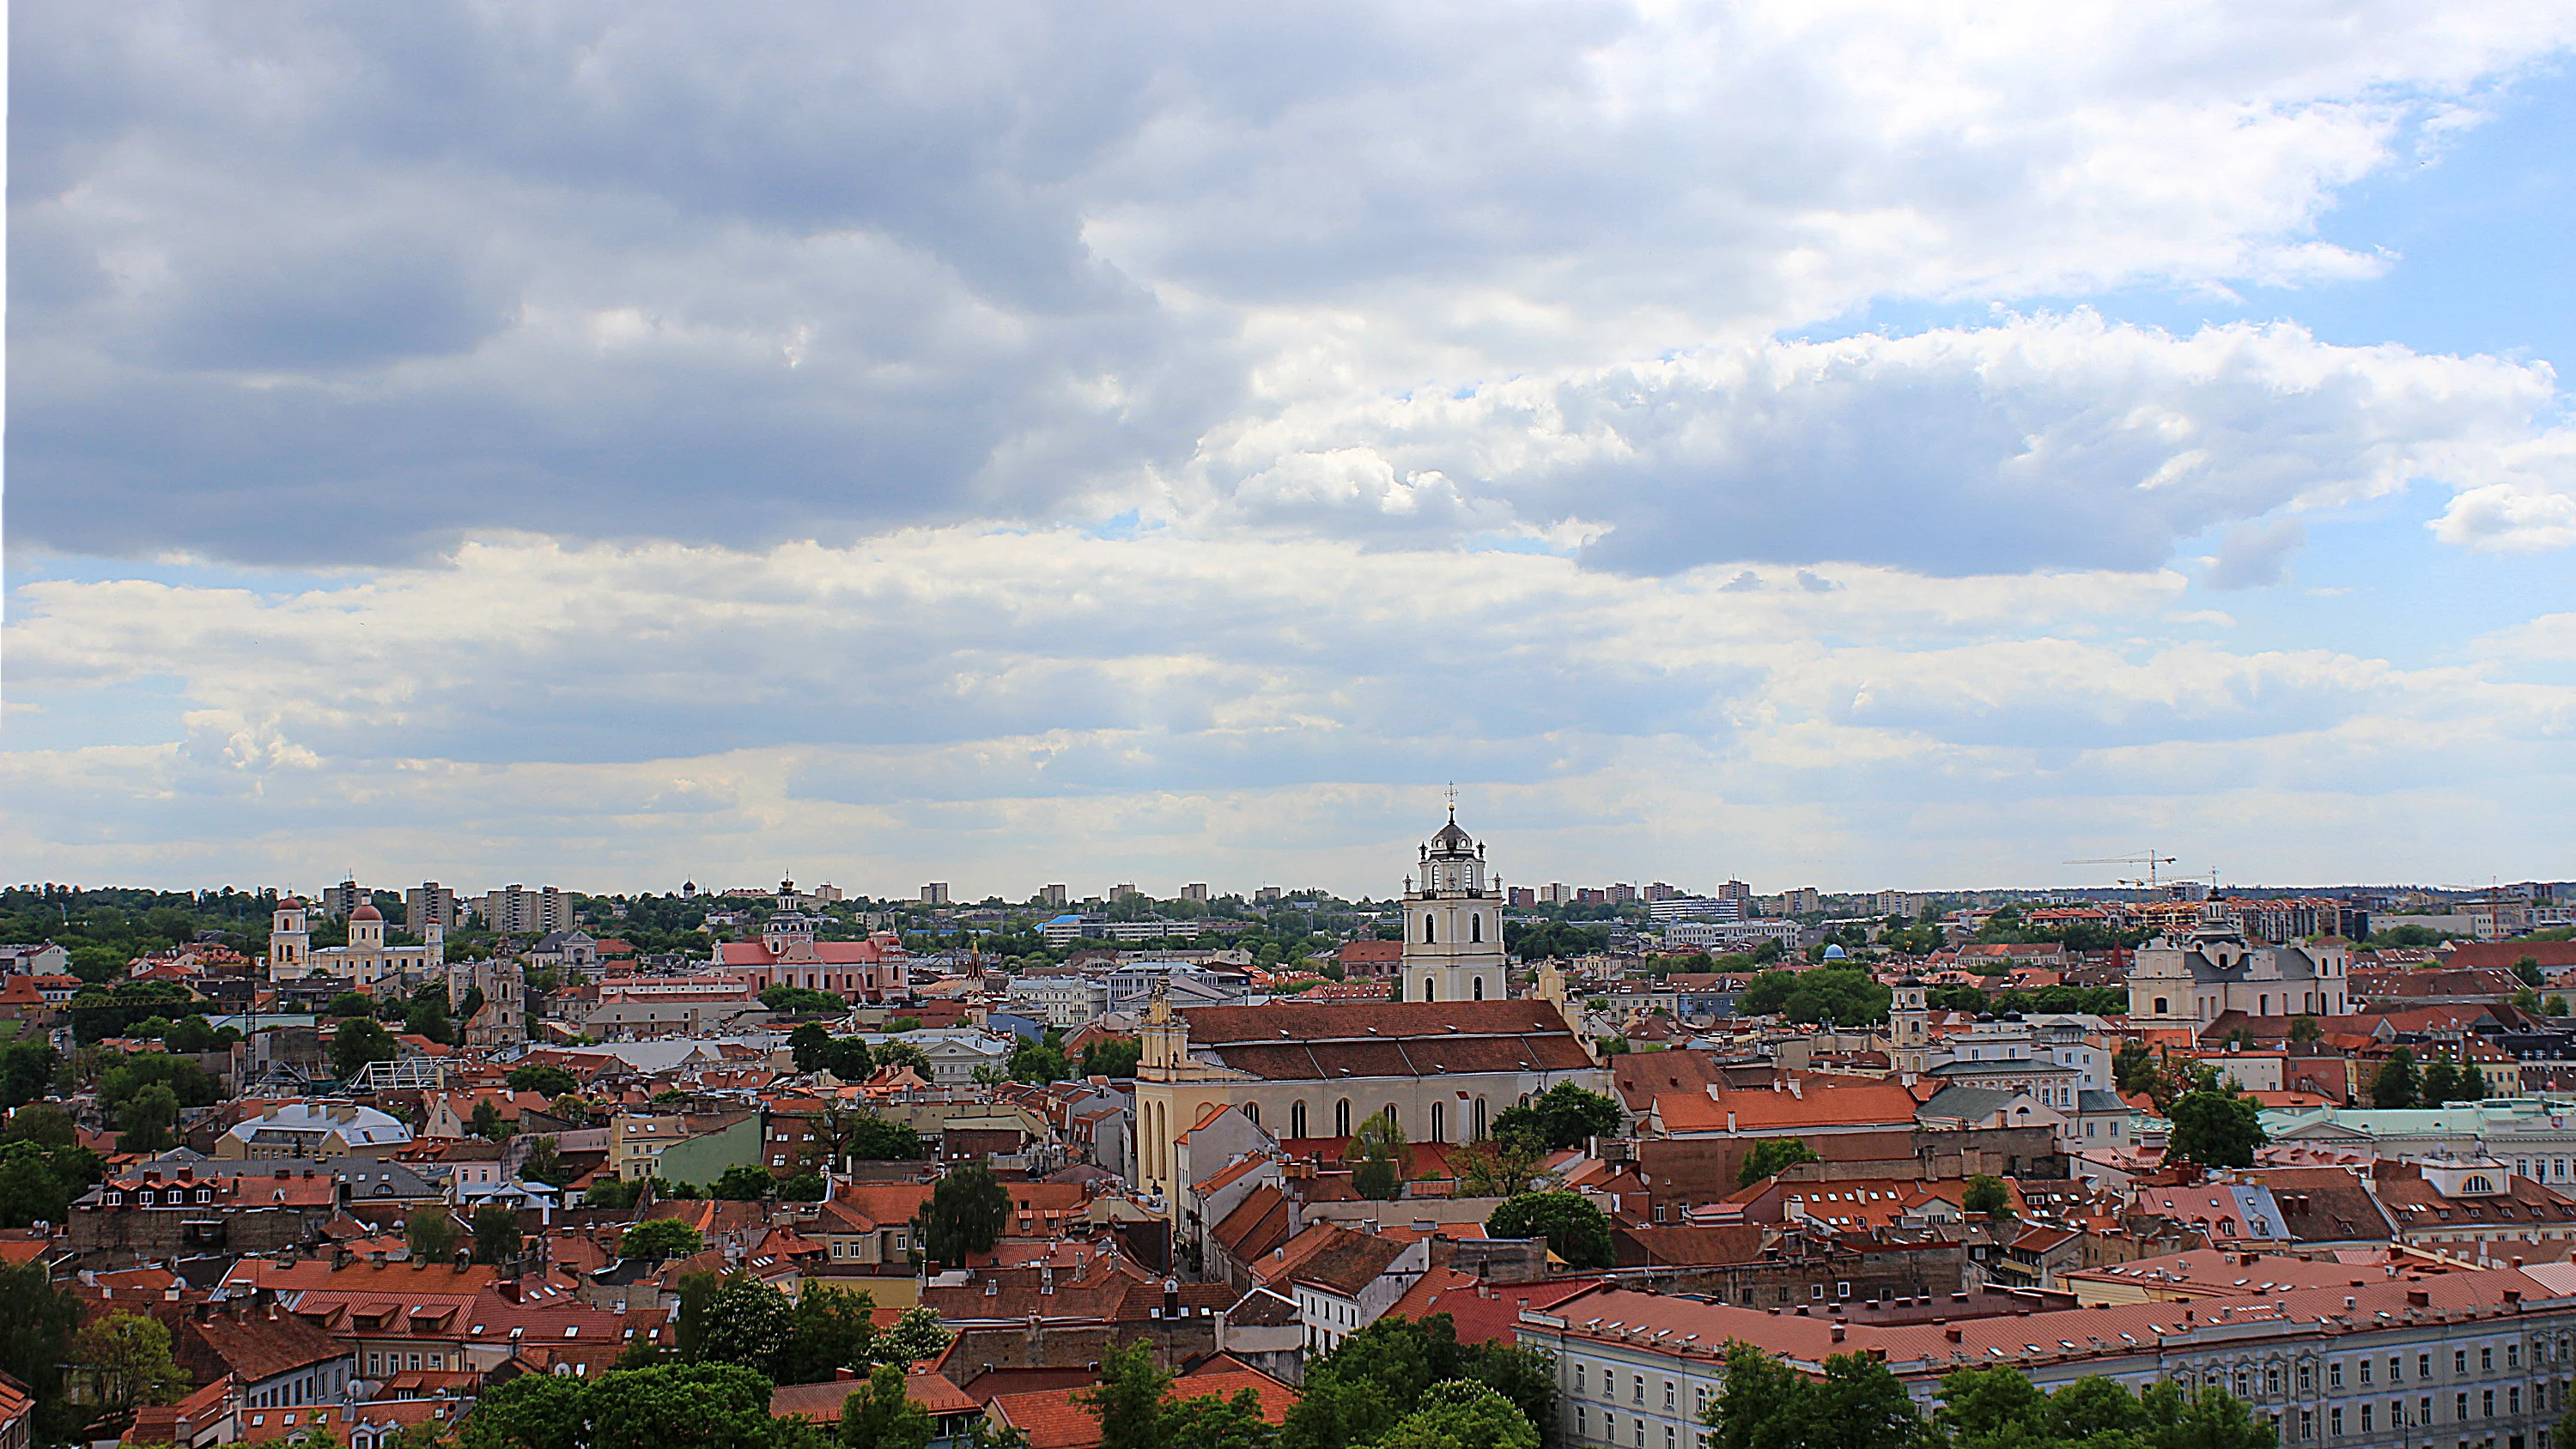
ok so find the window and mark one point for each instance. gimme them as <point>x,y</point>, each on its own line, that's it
<point>2334,1421</point>
<point>2365,1419</point>
<point>2513,1355</point>
<point>2459,1363</point>
<point>2334,1375</point>
<point>1297,1118</point>
<point>1637,1390</point>
<point>1342,1118</point>
<point>1670,1393</point>
<point>2460,1407</point>
<point>1578,1376</point>
<point>2307,1377</point>
<point>2513,1399</point>
<point>1578,1421</point>
<point>2424,1366</point>
<point>1252,1113</point>
<point>1439,1121</point>
<point>2486,1360</point>
<point>2272,1379</point>
<point>2307,1423</point>
<point>2365,1371</point>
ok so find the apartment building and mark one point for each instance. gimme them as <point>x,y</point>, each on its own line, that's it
<point>517,910</point>
<point>2391,1356</point>
<point>429,904</point>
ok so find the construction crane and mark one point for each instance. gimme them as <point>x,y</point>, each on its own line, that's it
<point>2150,860</point>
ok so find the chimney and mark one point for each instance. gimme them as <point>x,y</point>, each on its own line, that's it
<point>1952,1332</point>
<point>1171,1298</point>
<point>1839,1333</point>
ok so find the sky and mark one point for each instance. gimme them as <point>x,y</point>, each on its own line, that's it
<point>1814,443</point>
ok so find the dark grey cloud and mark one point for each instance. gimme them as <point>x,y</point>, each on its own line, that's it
<point>403,273</point>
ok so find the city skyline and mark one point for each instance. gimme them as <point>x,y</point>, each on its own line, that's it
<point>1813,446</point>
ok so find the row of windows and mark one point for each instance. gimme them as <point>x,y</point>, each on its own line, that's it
<point>1342,1118</point>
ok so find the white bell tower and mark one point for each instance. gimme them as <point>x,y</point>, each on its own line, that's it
<point>1453,923</point>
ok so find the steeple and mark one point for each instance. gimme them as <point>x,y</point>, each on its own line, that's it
<point>1453,922</point>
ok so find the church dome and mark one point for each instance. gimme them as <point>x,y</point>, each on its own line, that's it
<point>1452,841</point>
<point>366,913</point>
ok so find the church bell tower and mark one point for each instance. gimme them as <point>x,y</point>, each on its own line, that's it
<point>1453,923</point>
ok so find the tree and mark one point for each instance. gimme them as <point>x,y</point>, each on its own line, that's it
<point>830,1330</point>
<point>1128,1400</point>
<point>608,1192</point>
<point>126,1357</point>
<point>43,1124</point>
<point>2216,1127</point>
<point>900,1054</point>
<point>1379,1146</point>
<point>26,1069</point>
<point>1358,1392</point>
<point>810,1045</point>
<point>2527,968</point>
<point>29,1191</point>
<point>2305,1028</point>
<point>431,1235</point>
<point>486,1123</point>
<point>531,1411</point>
<point>800,1000</point>
<point>496,1233</point>
<point>146,1120</point>
<point>803,1187</point>
<point>1768,1405</point>
<point>1115,1056</point>
<point>1770,1155</point>
<point>879,1415</point>
<point>681,1406</point>
<point>2445,1083</point>
<point>1844,995</point>
<point>1575,1230</point>
<point>1462,1414</point>
<point>965,1215</point>
<point>660,1238</point>
<point>1038,1061</point>
<point>1986,1194</point>
<point>2395,1083</point>
<point>916,1334</point>
<point>36,1324</point>
<point>544,1163</point>
<point>747,1323</point>
<point>543,1078</point>
<point>357,1042</point>
<point>350,1003</point>
<point>1563,1116</point>
<point>742,1184</point>
<point>427,1014</point>
<point>1497,1167</point>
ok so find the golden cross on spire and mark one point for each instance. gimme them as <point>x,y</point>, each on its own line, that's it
<point>1453,799</point>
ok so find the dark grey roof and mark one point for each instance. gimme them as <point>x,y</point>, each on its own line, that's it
<point>1965,1103</point>
<point>2092,1099</point>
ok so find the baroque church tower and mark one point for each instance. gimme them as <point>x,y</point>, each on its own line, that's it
<point>1453,923</point>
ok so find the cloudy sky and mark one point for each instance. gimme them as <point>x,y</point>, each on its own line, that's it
<point>1818,442</point>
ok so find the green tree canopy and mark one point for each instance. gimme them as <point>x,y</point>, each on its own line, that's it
<point>145,1119</point>
<point>879,1415</point>
<point>2216,1127</point>
<point>660,1238</point>
<point>1562,1116</point>
<point>1379,1146</point>
<point>1114,1056</point>
<point>1765,1404</point>
<point>431,1234</point>
<point>1575,1230</point>
<point>1846,996</point>
<point>544,1079</point>
<point>357,1042</point>
<point>831,1329</point>
<point>496,1233</point>
<point>1039,1062</point>
<point>747,1323</point>
<point>2395,1084</point>
<point>964,1215</point>
<point>1987,1194</point>
<point>1771,1154</point>
<point>740,1183</point>
<point>126,1359</point>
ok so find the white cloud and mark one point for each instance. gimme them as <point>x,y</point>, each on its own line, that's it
<point>410,275</point>
<point>989,706</point>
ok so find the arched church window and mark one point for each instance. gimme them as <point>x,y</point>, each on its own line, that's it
<point>1439,1122</point>
<point>1252,1113</point>
<point>1430,992</point>
<point>1479,1119</point>
<point>1475,925</point>
<point>1426,928</point>
<point>1480,988</point>
<point>1297,1118</point>
<point>1342,1118</point>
